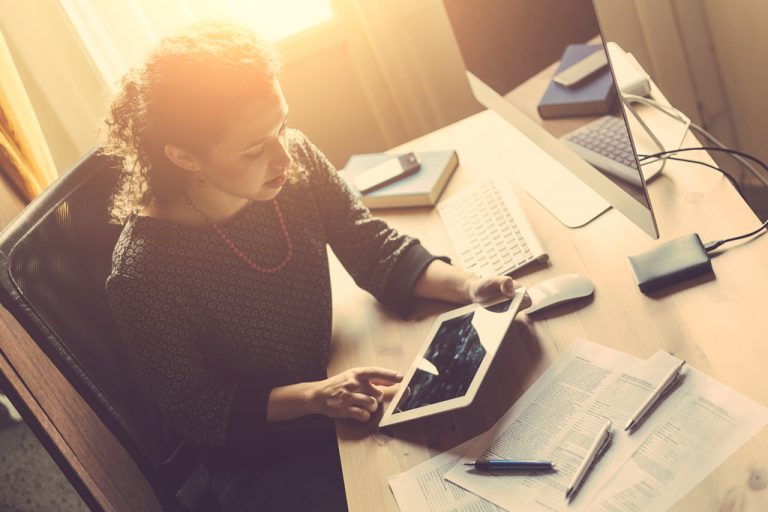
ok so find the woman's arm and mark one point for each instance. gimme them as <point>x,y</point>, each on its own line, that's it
<point>381,260</point>
<point>446,282</point>
<point>355,393</point>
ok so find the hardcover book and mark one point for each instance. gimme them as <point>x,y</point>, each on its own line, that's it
<point>422,188</point>
<point>593,96</point>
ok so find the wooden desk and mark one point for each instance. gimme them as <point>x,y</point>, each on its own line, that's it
<point>717,325</point>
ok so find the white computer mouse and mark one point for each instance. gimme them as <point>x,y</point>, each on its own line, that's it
<point>558,290</point>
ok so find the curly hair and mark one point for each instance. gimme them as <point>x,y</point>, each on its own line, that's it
<point>186,92</point>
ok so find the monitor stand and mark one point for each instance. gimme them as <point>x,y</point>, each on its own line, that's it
<point>564,195</point>
<point>543,175</point>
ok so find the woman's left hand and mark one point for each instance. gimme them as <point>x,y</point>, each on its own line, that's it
<point>483,289</point>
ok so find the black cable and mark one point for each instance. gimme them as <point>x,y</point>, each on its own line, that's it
<point>711,246</point>
<point>727,175</point>
<point>707,148</point>
<point>748,165</point>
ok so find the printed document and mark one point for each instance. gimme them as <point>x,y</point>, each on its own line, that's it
<point>660,461</point>
<point>549,422</point>
<point>619,402</point>
<point>423,488</point>
<point>685,436</point>
<point>697,432</point>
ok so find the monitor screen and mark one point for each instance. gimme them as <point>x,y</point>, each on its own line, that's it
<point>548,60</point>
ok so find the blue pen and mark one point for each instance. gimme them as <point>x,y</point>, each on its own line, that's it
<point>511,465</point>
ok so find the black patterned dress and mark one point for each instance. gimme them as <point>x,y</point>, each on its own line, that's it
<point>209,337</point>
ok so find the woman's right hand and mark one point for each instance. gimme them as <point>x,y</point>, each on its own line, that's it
<point>355,393</point>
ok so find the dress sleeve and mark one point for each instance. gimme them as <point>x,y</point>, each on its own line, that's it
<point>158,333</point>
<point>379,259</point>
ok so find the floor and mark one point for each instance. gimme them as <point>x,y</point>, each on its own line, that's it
<point>29,479</point>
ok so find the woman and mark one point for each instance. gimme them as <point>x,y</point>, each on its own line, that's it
<point>220,281</point>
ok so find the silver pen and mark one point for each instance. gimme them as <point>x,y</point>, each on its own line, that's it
<point>598,445</point>
<point>666,384</point>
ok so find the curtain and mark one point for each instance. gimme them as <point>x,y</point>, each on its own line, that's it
<point>25,159</point>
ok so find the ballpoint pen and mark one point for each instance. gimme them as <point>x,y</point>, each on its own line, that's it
<point>511,465</point>
<point>598,445</point>
<point>666,384</point>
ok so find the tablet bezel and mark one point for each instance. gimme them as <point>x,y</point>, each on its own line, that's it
<point>389,418</point>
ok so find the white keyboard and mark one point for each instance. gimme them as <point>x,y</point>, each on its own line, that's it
<point>489,230</point>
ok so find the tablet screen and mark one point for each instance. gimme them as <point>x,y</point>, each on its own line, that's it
<point>451,361</point>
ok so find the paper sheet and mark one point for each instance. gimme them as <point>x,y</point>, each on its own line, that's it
<point>618,402</point>
<point>549,422</point>
<point>686,436</point>
<point>694,435</point>
<point>422,488</point>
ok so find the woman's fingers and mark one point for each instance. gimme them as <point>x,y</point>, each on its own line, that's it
<point>487,288</point>
<point>359,406</point>
<point>356,393</point>
<point>356,413</point>
<point>507,286</point>
<point>390,391</point>
<point>369,388</point>
<point>360,400</point>
<point>384,383</point>
<point>379,375</point>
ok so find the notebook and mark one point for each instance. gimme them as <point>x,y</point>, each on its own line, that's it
<point>423,188</point>
<point>593,96</point>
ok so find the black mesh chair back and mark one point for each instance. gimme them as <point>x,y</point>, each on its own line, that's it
<point>54,260</point>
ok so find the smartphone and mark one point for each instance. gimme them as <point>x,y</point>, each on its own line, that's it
<point>387,172</point>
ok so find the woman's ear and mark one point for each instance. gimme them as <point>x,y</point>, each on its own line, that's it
<point>182,158</point>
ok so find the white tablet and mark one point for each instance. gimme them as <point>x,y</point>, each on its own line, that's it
<point>453,361</point>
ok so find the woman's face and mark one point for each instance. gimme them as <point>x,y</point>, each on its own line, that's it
<point>250,159</point>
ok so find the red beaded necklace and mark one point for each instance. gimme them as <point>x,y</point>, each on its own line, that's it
<point>236,250</point>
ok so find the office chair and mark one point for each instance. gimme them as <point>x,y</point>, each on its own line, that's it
<point>54,259</point>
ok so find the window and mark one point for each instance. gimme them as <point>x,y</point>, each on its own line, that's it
<point>272,19</point>
<point>117,35</point>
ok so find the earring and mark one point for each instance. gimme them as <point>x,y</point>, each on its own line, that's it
<point>202,183</point>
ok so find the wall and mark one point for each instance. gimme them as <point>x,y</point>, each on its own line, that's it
<point>379,75</point>
<point>385,72</point>
<point>648,30</point>
<point>707,57</point>
<point>740,45</point>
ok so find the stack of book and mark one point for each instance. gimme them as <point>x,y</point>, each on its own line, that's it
<point>422,188</point>
<point>593,96</point>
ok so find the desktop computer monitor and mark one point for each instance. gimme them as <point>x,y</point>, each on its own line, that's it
<point>516,53</point>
